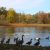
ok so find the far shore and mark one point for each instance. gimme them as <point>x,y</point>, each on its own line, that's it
<point>24,25</point>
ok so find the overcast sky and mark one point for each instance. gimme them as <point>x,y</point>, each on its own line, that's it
<point>27,6</point>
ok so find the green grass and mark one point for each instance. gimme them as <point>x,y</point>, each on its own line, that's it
<point>14,47</point>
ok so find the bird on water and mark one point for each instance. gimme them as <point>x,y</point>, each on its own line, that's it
<point>29,42</point>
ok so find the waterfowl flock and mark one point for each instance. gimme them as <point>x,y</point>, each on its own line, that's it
<point>20,42</point>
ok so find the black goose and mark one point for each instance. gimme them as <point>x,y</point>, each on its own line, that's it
<point>29,42</point>
<point>15,39</point>
<point>37,38</point>
<point>7,42</point>
<point>47,38</point>
<point>19,42</point>
<point>2,40</point>
<point>37,43</point>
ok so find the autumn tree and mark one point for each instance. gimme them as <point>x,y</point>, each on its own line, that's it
<point>22,18</point>
<point>3,14</point>
<point>42,18</point>
<point>11,16</point>
<point>48,19</point>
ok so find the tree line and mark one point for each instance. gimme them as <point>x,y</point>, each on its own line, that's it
<point>11,16</point>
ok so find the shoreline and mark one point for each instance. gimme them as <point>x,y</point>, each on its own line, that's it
<point>24,47</point>
<point>25,25</point>
<point>31,25</point>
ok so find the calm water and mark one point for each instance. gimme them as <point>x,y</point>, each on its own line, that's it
<point>29,33</point>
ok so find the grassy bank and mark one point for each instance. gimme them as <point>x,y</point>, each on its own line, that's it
<point>14,47</point>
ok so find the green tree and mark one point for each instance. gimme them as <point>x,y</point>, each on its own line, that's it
<point>3,11</point>
<point>3,14</point>
<point>11,16</point>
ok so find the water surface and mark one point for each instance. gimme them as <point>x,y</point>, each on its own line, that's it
<point>28,32</point>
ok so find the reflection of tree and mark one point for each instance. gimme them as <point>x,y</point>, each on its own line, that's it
<point>2,32</point>
<point>10,31</point>
<point>42,29</point>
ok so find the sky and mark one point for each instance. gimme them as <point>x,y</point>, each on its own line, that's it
<point>27,6</point>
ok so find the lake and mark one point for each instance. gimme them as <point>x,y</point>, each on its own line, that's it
<point>28,32</point>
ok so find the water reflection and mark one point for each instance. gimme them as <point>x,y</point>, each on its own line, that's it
<point>29,32</point>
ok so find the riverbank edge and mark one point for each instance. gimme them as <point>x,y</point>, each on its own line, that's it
<point>25,25</point>
<point>24,47</point>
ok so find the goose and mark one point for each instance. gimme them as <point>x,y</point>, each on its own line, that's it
<point>37,38</point>
<point>2,40</point>
<point>37,43</point>
<point>19,42</point>
<point>7,42</point>
<point>15,39</point>
<point>47,38</point>
<point>29,42</point>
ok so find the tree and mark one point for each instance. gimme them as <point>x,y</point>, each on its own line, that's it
<point>48,19</point>
<point>34,18</point>
<point>3,14</point>
<point>3,11</point>
<point>22,18</point>
<point>28,18</point>
<point>11,16</point>
<point>42,18</point>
